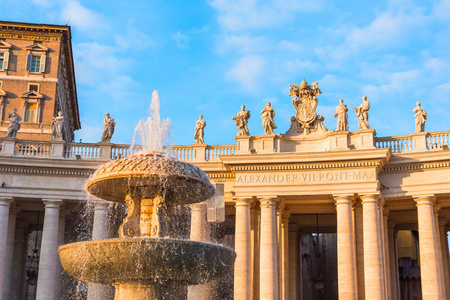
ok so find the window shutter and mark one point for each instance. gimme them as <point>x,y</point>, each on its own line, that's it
<point>42,68</point>
<point>5,60</point>
<point>29,59</point>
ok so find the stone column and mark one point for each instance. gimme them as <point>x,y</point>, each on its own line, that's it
<point>294,287</point>
<point>256,222</point>
<point>439,250</point>
<point>445,260</point>
<point>5,203</point>
<point>60,274</point>
<point>373,260</point>
<point>393,261</point>
<point>9,259</point>
<point>100,231</point>
<point>347,284</point>
<point>46,286</point>
<point>359,235</point>
<point>285,256</point>
<point>200,233</point>
<point>387,265</point>
<point>429,258</point>
<point>17,280</point>
<point>242,246</point>
<point>268,253</point>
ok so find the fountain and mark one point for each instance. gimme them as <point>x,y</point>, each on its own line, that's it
<point>146,261</point>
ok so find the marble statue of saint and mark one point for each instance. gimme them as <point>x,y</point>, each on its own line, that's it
<point>14,124</point>
<point>420,117</point>
<point>267,115</point>
<point>241,121</point>
<point>57,127</point>
<point>362,112</point>
<point>199,130</point>
<point>342,116</point>
<point>108,128</point>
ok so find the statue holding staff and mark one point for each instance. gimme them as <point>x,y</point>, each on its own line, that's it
<point>241,121</point>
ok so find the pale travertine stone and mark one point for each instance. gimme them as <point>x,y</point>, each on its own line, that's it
<point>242,265</point>
<point>393,264</point>
<point>268,251</point>
<point>347,271</point>
<point>5,204</point>
<point>7,282</point>
<point>445,255</point>
<point>199,232</point>
<point>429,260</point>
<point>373,260</point>
<point>100,231</point>
<point>420,116</point>
<point>294,289</point>
<point>46,286</point>
<point>362,113</point>
<point>199,130</point>
<point>241,121</point>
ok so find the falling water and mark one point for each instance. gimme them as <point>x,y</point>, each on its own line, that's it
<point>153,134</point>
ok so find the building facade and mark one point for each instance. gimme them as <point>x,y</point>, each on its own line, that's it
<point>37,78</point>
<point>312,213</point>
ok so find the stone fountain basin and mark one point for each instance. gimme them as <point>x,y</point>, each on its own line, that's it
<point>182,183</point>
<point>141,260</point>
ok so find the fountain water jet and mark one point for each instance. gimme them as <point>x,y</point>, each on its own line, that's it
<point>146,261</point>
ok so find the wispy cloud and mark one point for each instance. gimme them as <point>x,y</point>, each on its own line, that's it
<point>181,40</point>
<point>247,71</point>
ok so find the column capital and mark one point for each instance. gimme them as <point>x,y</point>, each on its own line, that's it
<point>101,204</point>
<point>6,201</point>
<point>436,208</point>
<point>386,211</point>
<point>201,206</point>
<point>442,221</point>
<point>268,201</point>
<point>285,216</point>
<point>391,224</point>
<point>52,203</point>
<point>14,210</point>
<point>344,199</point>
<point>293,227</point>
<point>425,200</point>
<point>371,198</point>
<point>242,201</point>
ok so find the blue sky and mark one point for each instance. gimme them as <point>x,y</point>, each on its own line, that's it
<point>211,57</point>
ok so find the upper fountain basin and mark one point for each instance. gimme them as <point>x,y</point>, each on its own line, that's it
<point>181,182</point>
<point>134,260</point>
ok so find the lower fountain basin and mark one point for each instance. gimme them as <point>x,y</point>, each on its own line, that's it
<point>146,260</point>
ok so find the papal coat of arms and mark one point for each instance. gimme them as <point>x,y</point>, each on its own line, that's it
<point>305,102</point>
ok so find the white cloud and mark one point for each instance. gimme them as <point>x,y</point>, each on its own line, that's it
<point>243,44</point>
<point>95,62</point>
<point>181,40</point>
<point>134,38</point>
<point>88,133</point>
<point>238,15</point>
<point>247,72</point>
<point>79,16</point>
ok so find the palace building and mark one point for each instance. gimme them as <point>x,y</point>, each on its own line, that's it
<point>312,213</point>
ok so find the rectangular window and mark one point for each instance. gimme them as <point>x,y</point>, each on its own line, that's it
<point>33,87</point>
<point>35,64</point>
<point>2,57</point>
<point>30,113</point>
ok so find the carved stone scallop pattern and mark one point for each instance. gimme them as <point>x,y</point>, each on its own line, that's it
<point>184,182</point>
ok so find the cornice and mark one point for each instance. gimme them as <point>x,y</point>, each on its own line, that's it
<point>46,171</point>
<point>415,167</point>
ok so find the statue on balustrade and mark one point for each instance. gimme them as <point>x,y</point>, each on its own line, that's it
<point>199,130</point>
<point>241,121</point>
<point>342,116</point>
<point>304,100</point>
<point>362,112</point>
<point>14,124</point>
<point>108,128</point>
<point>420,117</point>
<point>57,127</point>
<point>267,115</point>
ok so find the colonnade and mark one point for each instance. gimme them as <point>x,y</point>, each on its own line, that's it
<point>366,247</point>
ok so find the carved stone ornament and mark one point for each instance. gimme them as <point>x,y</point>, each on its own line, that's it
<point>304,100</point>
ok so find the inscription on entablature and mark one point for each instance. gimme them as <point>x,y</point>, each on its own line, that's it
<point>306,177</point>
<point>29,37</point>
